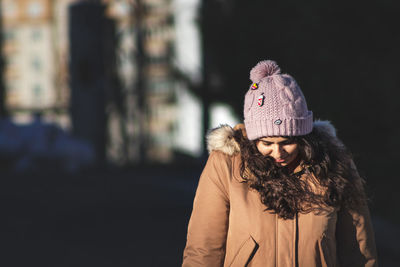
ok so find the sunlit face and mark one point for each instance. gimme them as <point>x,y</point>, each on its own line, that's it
<point>282,149</point>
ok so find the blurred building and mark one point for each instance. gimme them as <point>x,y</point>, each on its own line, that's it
<point>150,113</point>
<point>31,66</point>
<point>160,101</point>
<point>154,99</point>
<point>124,114</point>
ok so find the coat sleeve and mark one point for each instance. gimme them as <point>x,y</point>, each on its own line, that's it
<point>207,230</point>
<point>355,238</point>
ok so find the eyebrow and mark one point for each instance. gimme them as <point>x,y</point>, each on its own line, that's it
<point>283,141</point>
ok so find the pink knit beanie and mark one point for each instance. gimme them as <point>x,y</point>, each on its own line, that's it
<point>274,104</point>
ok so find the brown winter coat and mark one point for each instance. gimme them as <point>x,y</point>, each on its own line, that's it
<point>230,227</point>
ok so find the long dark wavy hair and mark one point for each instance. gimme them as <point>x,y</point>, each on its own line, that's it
<point>323,157</point>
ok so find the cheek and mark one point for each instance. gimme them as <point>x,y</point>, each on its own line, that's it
<point>293,150</point>
<point>263,149</point>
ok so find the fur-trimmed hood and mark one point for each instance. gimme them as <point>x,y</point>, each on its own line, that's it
<point>221,138</point>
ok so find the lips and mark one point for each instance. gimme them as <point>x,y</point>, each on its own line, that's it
<point>279,160</point>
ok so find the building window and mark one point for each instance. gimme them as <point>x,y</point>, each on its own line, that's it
<point>37,92</point>
<point>36,64</point>
<point>9,35</point>
<point>35,9</point>
<point>36,35</point>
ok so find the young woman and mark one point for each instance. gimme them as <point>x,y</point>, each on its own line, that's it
<point>281,190</point>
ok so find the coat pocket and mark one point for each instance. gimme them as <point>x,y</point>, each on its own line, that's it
<point>245,253</point>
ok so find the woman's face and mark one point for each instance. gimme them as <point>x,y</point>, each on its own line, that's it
<point>282,149</point>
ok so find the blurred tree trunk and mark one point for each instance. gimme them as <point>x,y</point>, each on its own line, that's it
<point>140,80</point>
<point>3,112</point>
<point>90,34</point>
<point>204,93</point>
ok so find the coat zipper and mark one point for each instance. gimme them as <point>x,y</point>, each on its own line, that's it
<point>295,262</point>
<point>296,241</point>
<point>276,240</point>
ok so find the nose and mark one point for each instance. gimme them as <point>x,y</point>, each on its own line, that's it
<point>277,151</point>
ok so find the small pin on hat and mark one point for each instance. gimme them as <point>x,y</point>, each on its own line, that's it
<point>254,86</point>
<point>260,100</point>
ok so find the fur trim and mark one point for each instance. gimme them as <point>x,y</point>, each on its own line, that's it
<point>221,138</point>
<point>325,127</point>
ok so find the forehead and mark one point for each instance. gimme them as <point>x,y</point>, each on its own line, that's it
<point>274,139</point>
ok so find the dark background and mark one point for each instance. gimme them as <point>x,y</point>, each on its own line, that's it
<point>343,54</point>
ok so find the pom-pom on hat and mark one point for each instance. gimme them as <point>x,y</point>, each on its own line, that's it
<point>275,104</point>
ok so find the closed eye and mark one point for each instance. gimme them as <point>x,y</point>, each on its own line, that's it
<point>288,142</point>
<point>265,143</point>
